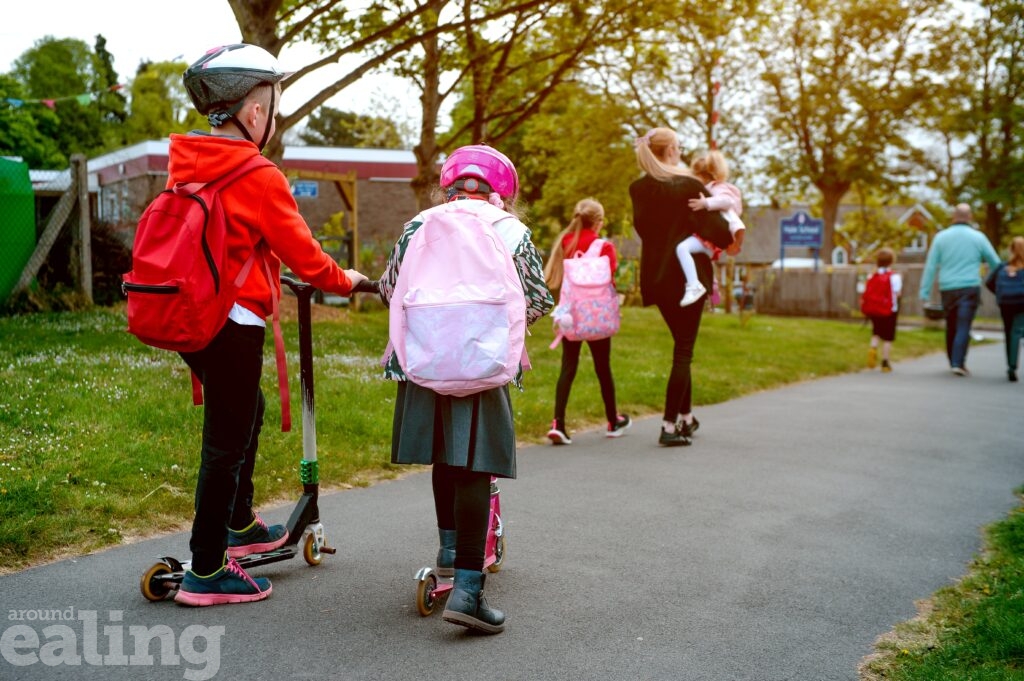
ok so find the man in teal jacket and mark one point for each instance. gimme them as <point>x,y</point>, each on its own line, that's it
<point>958,252</point>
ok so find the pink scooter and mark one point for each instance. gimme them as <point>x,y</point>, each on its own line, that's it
<point>431,590</point>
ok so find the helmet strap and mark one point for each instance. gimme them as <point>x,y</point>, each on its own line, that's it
<point>244,130</point>
<point>270,118</point>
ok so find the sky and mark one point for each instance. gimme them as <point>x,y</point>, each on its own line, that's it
<point>139,30</point>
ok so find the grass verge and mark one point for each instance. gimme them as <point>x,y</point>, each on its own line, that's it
<point>99,442</point>
<point>971,631</point>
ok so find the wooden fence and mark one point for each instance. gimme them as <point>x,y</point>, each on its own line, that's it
<point>835,292</point>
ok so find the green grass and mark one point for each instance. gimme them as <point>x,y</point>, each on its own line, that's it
<point>99,442</point>
<point>972,631</point>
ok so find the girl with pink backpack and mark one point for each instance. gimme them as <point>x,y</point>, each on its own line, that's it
<point>467,436</point>
<point>581,239</point>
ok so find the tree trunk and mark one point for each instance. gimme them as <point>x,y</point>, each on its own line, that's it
<point>831,195</point>
<point>426,150</point>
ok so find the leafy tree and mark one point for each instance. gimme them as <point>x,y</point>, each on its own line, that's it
<point>330,127</point>
<point>74,82</point>
<point>24,129</point>
<point>160,105</point>
<point>979,120</point>
<point>573,149</point>
<point>843,79</point>
<point>111,103</point>
<point>504,63</point>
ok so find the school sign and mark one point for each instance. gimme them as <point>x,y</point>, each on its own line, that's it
<point>800,230</point>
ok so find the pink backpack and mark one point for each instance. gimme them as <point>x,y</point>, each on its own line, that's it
<point>588,304</point>
<point>457,320</point>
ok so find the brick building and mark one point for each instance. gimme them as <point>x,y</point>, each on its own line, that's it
<point>377,181</point>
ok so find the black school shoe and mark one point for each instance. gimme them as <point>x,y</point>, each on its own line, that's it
<point>688,429</point>
<point>673,438</point>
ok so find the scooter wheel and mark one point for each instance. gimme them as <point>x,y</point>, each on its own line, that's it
<point>155,590</point>
<point>499,555</point>
<point>310,552</point>
<point>425,601</point>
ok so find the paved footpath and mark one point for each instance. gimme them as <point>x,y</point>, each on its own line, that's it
<point>801,524</point>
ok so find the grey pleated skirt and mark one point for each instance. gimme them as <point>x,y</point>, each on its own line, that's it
<point>474,432</point>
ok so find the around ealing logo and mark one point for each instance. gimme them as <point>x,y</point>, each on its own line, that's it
<point>66,637</point>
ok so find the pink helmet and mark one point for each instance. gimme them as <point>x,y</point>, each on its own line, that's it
<point>484,163</point>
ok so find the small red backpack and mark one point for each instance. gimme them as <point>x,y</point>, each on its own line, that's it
<point>877,298</point>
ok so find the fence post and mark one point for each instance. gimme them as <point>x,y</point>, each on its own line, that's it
<point>80,176</point>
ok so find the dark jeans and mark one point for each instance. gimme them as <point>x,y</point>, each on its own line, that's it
<point>1013,327</point>
<point>960,305</point>
<point>683,323</point>
<point>601,351</point>
<point>229,369</point>
<point>462,501</point>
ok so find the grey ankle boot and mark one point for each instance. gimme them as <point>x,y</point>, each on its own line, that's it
<point>446,554</point>
<point>467,607</point>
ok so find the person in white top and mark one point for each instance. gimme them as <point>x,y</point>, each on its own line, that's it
<point>711,169</point>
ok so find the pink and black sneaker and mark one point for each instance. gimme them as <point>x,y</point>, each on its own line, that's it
<point>257,538</point>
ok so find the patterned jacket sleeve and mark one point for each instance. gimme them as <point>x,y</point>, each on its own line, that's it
<point>390,276</point>
<point>539,300</point>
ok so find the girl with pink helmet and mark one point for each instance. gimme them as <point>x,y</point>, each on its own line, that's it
<point>466,439</point>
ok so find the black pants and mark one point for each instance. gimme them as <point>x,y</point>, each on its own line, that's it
<point>462,500</point>
<point>601,351</point>
<point>683,323</point>
<point>229,369</point>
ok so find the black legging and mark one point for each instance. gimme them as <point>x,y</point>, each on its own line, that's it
<point>683,323</point>
<point>462,501</point>
<point>601,351</point>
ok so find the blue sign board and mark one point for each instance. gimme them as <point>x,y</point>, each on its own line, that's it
<point>801,229</point>
<point>305,189</point>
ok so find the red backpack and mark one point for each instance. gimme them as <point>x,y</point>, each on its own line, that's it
<point>178,298</point>
<point>877,298</point>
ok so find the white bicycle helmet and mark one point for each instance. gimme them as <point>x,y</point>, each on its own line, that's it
<point>219,81</point>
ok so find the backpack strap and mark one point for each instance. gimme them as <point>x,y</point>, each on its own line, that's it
<point>594,250</point>
<point>282,360</point>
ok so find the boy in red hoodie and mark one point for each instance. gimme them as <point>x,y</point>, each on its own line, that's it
<point>238,87</point>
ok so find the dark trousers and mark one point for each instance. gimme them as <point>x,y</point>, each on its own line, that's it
<point>229,369</point>
<point>960,305</point>
<point>683,323</point>
<point>1013,327</point>
<point>462,501</point>
<point>601,351</point>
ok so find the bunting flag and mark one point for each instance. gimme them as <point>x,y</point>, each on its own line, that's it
<point>83,99</point>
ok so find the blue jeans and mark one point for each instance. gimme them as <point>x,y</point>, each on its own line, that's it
<point>229,369</point>
<point>960,305</point>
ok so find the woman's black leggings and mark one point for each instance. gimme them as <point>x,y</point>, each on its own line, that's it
<point>601,351</point>
<point>462,501</point>
<point>683,323</point>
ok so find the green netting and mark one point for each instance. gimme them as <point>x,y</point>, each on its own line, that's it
<point>17,222</point>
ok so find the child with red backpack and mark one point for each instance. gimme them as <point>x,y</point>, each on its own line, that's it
<point>462,283</point>
<point>577,241</point>
<point>238,88</point>
<point>880,303</point>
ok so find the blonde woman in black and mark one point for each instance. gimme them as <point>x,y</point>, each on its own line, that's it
<point>662,218</point>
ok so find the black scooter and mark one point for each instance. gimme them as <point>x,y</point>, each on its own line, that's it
<point>162,580</point>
